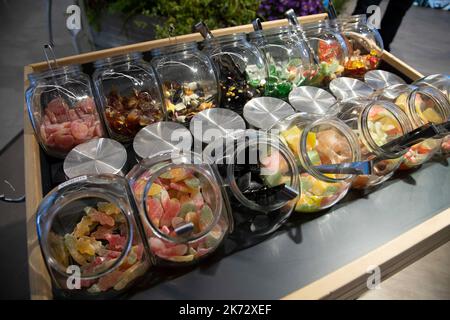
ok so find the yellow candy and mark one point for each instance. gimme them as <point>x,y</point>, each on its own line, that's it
<point>401,101</point>
<point>308,202</point>
<point>292,137</point>
<point>311,141</point>
<point>108,208</point>
<point>319,187</point>
<point>178,174</point>
<point>170,106</point>
<point>85,246</point>
<point>83,227</point>
<point>155,189</point>
<point>431,115</point>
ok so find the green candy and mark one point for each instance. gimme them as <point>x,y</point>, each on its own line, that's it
<point>206,216</point>
<point>192,182</point>
<point>273,179</point>
<point>314,157</point>
<point>185,208</point>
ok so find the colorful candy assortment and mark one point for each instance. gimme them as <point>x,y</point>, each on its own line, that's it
<point>183,101</point>
<point>283,77</point>
<point>178,207</point>
<point>358,64</point>
<point>324,147</point>
<point>420,153</point>
<point>425,109</point>
<point>238,82</point>
<point>383,127</point>
<point>125,116</point>
<point>330,66</point>
<point>63,127</point>
<point>96,244</point>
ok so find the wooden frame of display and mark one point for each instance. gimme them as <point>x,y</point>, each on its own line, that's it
<point>347,282</point>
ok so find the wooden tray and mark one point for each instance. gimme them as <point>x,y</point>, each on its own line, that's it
<point>345,282</point>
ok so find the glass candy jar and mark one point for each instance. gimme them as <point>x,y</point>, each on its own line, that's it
<point>129,95</point>
<point>426,104</point>
<point>330,49</point>
<point>422,104</point>
<point>62,109</point>
<point>241,69</point>
<point>287,58</point>
<point>188,80</point>
<point>376,123</point>
<point>90,237</point>
<point>260,177</point>
<point>366,45</point>
<point>442,83</point>
<point>181,206</point>
<point>316,142</point>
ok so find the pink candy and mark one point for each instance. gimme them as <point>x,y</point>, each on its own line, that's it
<point>63,128</point>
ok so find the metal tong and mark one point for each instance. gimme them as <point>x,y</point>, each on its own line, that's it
<point>292,18</point>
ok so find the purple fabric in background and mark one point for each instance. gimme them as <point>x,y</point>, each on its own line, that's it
<point>275,9</point>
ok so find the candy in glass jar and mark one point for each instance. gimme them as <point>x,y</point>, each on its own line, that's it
<point>330,49</point>
<point>442,83</point>
<point>188,80</point>
<point>365,45</point>
<point>88,226</point>
<point>181,206</point>
<point>316,142</point>
<point>129,95</point>
<point>426,104</point>
<point>260,177</point>
<point>241,69</point>
<point>376,123</point>
<point>62,110</point>
<point>423,104</point>
<point>288,60</point>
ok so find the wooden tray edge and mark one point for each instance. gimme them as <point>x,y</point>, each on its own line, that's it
<point>350,281</point>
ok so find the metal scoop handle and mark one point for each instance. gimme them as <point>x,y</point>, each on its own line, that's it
<point>356,168</point>
<point>292,18</point>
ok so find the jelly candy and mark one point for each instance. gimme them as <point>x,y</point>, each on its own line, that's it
<point>155,210</point>
<point>125,116</point>
<point>171,210</point>
<point>62,127</point>
<point>98,216</point>
<point>206,217</point>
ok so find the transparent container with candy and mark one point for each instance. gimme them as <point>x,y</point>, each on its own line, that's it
<point>442,83</point>
<point>426,104</point>
<point>330,49</point>
<point>188,79</point>
<point>365,45</point>
<point>288,60</point>
<point>242,69</point>
<point>62,110</point>
<point>260,177</point>
<point>422,104</point>
<point>90,237</point>
<point>129,95</point>
<point>376,123</point>
<point>316,142</point>
<point>181,206</point>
